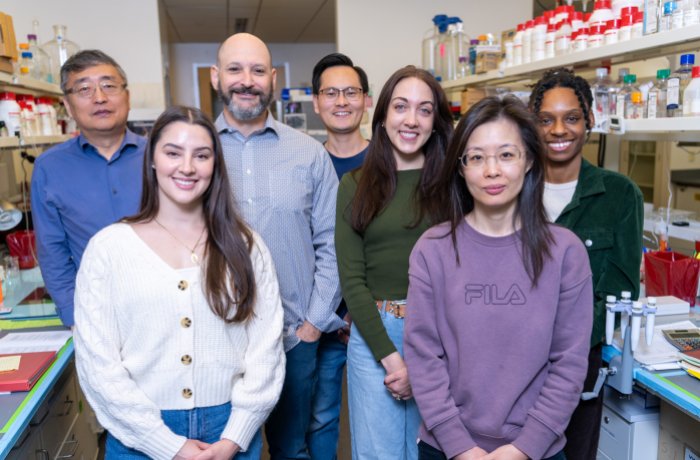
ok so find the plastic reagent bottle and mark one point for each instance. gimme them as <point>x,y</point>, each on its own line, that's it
<point>518,45</point>
<point>677,83</point>
<point>59,50</point>
<point>615,90</point>
<point>10,112</point>
<point>428,44</point>
<point>539,35</point>
<point>691,95</point>
<point>635,106</point>
<point>656,99</point>
<point>601,101</point>
<point>624,97</point>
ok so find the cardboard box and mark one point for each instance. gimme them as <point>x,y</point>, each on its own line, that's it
<point>8,44</point>
<point>678,434</point>
<point>470,97</point>
<point>486,61</point>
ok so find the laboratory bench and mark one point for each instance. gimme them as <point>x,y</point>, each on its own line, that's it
<point>52,420</point>
<point>660,420</point>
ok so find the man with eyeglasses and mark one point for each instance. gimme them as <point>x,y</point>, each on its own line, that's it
<point>90,181</point>
<point>340,96</point>
<point>284,184</point>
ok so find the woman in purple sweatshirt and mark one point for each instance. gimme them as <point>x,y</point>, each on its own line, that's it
<point>499,319</point>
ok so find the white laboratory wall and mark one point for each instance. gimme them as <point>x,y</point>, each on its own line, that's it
<point>382,36</point>
<point>127,30</point>
<point>185,56</point>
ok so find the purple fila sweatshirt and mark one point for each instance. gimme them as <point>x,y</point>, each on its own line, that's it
<point>492,360</point>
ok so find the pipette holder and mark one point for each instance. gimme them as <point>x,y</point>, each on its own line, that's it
<point>620,372</point>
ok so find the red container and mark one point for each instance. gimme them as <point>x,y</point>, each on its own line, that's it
<point>22,244</point>
<point>671,273</point>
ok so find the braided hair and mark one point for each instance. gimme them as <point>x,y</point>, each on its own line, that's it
<point>564,78</point>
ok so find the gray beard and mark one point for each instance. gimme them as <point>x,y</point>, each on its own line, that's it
<point>249,113</point>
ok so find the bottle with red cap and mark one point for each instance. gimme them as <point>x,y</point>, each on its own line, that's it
<point>626,20</point>
<point>562,44</point>
<point>611,31</point>
<point>518,45</point>
<point>10,112</point>
<point>637,30</point>
<point>527,41</point>
<point>596,35</point>
<point>602,13</point>
<point>549,41</point>
<point>539,34</point>
<point>691,95</point>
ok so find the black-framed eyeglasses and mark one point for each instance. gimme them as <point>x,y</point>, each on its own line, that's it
<point>87,89</point>
<point>351,93</point>
<point>477,159</point>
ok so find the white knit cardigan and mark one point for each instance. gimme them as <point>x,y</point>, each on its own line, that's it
<point>146,340</point>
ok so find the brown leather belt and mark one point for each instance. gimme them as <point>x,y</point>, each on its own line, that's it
<point>397,308</point>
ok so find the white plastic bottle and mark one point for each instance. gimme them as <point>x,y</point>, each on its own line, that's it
<point>527,41</point>
<point>539,35</point>
<point>596,35</point>
<point>691,12</point>
<point>518,45</point>
<point>691,95</point>
<point>651,17</point>
<point>677,83</point>
<point>562,44</point>
<point>637,25</point>
<point>10,112</point>
<point>602,13</point>
<point>611,31</point>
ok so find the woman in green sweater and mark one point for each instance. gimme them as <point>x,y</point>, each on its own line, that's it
<point>383,208</point>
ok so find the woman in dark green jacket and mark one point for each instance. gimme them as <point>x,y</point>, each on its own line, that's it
<point>604,208</point>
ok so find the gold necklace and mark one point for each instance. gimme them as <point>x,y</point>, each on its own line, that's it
<point>193,255</point>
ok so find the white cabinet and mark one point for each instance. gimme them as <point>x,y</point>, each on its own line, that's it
<point>628,431</point>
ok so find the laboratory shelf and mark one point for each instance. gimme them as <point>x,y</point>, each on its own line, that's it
<point>14,142</point>
<point>662,125</point>
<point>689,233</point>
<point>29,85</point>
<point>646,47</point>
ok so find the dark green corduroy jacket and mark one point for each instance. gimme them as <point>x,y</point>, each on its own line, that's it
<point>606,213</point>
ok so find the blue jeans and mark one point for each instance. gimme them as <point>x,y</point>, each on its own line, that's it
<point>323,432</point>
<point>202,423</point>
<point>381,427</point>
<point>290,420</point>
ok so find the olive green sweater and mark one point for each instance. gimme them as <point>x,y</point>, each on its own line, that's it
<point>374,265</point>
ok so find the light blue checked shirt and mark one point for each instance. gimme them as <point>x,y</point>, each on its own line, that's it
<point>285,187</point>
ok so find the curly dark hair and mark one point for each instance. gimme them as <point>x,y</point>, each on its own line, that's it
<point>563,78</point>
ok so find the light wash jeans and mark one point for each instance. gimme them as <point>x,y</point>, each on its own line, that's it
<point>381,427</point>
<point>202,423</point>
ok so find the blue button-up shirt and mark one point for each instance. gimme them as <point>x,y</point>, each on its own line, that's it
<point>285,187</point>
<point>75,193</point>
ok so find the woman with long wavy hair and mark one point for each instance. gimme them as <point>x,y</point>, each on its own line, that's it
<point>383,208</point>
<point>178,314</point>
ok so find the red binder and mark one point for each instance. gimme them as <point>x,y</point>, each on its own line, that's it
<point>31,368</point>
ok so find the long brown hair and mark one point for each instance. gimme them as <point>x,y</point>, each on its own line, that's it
<point>229,280</point>
<point>377,181</point>
<point>534,232</point>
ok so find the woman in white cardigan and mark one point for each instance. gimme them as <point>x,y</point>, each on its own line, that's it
<point>178,314</point>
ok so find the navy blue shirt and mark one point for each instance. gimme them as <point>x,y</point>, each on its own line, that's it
<point>341,166</point>
<point>75,193</point>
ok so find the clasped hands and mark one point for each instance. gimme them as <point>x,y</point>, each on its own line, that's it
<point>197,450</point>
<point>396,380</point>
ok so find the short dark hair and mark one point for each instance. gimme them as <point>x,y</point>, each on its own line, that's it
<point>229,242</point>
<point>457,201</point>
<point>333,60</point>
<point>564,78</point>
<point>84,60</point>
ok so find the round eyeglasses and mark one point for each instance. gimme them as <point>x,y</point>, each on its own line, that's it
<point>350,93</point>
<point>477,159</point>
<point>87,89</point>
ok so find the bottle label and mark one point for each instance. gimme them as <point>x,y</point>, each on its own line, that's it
<point>652,100</point>
<point>620,106</point>
<point>673,93</point>
<point>691,17</point>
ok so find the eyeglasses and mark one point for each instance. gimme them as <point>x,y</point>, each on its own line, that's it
<point>87,89</point>
<point>476,159</point>
<point>351,93</point>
